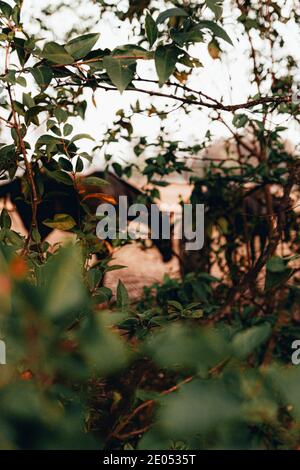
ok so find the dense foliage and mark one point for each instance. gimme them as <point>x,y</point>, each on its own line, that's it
<point>197,363</point>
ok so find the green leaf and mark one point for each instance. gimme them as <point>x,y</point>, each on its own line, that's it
<point>208,277</point>
<point>104,350</point>
<point>36,235</point>
<point>60,176</point>
<point>199,408</point>
<point>48,140</point>
<point>151,29</point>
<point>64,292</point>
<point>61,115</point>
<point>21,81</point>
<point>57,54</point>
<point>95,181</point>
<point>170,13</point>
<point>175,304</point>
<point>240,120</point>
<point>115,267</point>
<point>65,164</point>
<point>56,130</point>
<point>197,349</point>
<point>79,165</point>
<point>14,238</point>
<point>5,220</point>
<point>133,51</point>
<point>119,71</point>
<point>122,296</point>
<point>81,136</point>
<point>22,51</point>
<point>245,342</point>
<point>184,37</point>
<point>8,157</point>
<point>61,222</point>
<point>81,46</point>
<point>216,7</point>
<point>28,100</point>
<point>277,272</point>
<point>31,115</point>
<point>6,9</point>
<point>276,275</point>
<point>287,382</point>
<point>103,294</point>
<point>10,77</point>
<point>16,14</point>
<point>165,62</point>
<point>217,30</point>
<point>68,129</point>
<point>118,169</point>
<point>189,61</point>
<point>276,265</point>
<point>223,225</point>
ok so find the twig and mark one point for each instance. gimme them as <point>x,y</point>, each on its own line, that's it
<point>275,100</point>
<point>29,170</point>
<point>250,277</point>
<point>116,433</point>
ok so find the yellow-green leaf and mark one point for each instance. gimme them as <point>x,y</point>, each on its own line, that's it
<point>61,222</point>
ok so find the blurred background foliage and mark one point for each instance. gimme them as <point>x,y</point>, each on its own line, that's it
<point>74,380</point>
<point>201,362</point>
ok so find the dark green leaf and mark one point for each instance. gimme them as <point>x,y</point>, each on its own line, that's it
<point>133,51</point>
<point>122,296</point>
<point>6,9</point>
<point>240,120</point>
<point>60,176</point>
<point>217,30</point>
<point>118,169</point>
<point>28,100</point>
<point>216,7</point>
<point>94,181</point>
<point>185,37</point>
<point>42,75</point>
<point>199,407</point>
<point>81,46</point>
<point>165,62</point>
<point>61,115</point>
<point>31,115</point>
<point>119,71</point>
<point>170,13</point>
<point>81,136</point>
<point>57,54</point>
<point>79,165</point>
<point>48,140</point>
<point>64,292</point>
<point>196,349</point>
<point>5,220</point>
<point>65,164</point>
<point>276,265</point>
<point>245,342</point>
<point>68,129</point>
<point>151,29</point>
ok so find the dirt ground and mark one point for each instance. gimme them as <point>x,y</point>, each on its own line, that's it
<point>143,268</point>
